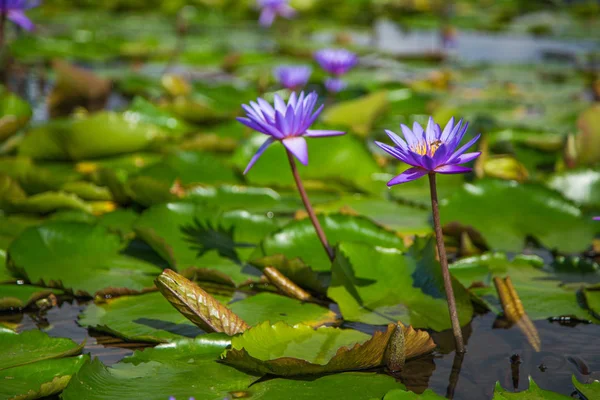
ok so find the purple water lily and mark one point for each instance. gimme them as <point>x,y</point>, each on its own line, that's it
<point>596,218</point>
<point>431,150</point>
<point>272,8</point>
<point>293,77</point>
<point>15,11</point>
<point>335,85</point>
<point>288,123</point>
<point>336,61</point>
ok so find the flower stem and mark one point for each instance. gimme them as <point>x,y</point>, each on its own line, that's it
<point>2,23</point>
<point>309,208</point>
<point>460,347</point>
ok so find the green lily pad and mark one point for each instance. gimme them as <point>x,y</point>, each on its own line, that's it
<point>533,393</point>
<point>40,380</point>
<point>377,285</point>
<point>541,291</point>
<point>398,394</point>
<point>18,297</point>
<point>99,135</point>
<point>589,390</point>
<point>329,160</point>
<point>183,369</point>
<point>154,183</point>
<point>79,257</point>
<point>401,218</point>
<point>347,385</point>
<point>235,197</point>
<point>15,113</point>
<point>580,186</point>
<point>151,114</point>
<point>190,234</point>
<point>299,240</point>
<point>285,350</point>
<point>505,213</point>
<point>31,347</point>
<point>151,318</point>
<point>358,115</point>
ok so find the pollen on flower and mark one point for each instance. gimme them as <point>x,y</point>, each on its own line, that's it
<point>423,149</point>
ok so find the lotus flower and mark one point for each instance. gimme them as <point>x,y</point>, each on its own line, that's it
<point>288,123</point>
<point>431,150</point>
<point>293,77</point>
<point>15,11</point>
<point>335,85</point>
<point>336,61</point>
<point>273,8</point>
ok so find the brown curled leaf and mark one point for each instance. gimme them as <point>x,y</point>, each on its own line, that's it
<point>285,285</point>
<point>197,305</point>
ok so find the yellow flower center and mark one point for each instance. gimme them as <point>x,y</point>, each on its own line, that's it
<point>427,149</point>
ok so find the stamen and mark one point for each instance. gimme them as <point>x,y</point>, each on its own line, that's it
<point>423,149</point>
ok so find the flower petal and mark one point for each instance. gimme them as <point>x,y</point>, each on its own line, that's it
<point>399,154</point>
<point>282,123</point>
<point>447,130</point>
<point>409,175</point>
<point>397,140</point>
<point>259,153</point>
<point>322,133</point>
<point>252,125</point>
<point>297,146</point>
<point>465,158</point>
<point>279,104</point>
<point>458,152</point>
<point>267,16</point>
<point>409,136</point>
<point>19,18</point>
<point>452,169</point>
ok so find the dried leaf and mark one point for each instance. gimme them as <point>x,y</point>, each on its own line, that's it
<point>285,285</point>
<point>515,312</point>
<point>197,305</point>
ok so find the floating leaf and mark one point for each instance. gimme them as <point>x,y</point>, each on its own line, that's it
<point>300,350</point>
<point>590,390</point>
<point>157,181</point>
<point>533,393</point>
<point>519,211</point>
<point>328,162</point>
<point>180,232</point>
<point>41,379</point>
<point>377,285</point>
<point>79,257</point>
<point>298,239</point>
<point>31,347</point>
<point>151,318</point>
<point>358,114</point>
<point>19,297</point>
<point>183,369</point>
<point>98,135</point>
<point>541,291</point>
<point>15,114</point>
<point>347,385</point>
<point>198,306</point>
<point>581,186</point>
<point>397,394</point>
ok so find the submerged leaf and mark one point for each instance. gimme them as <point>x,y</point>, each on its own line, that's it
<point>198,306</point>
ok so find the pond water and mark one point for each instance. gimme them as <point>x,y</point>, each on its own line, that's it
<point>150,177</point>
<point>496,352</point>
